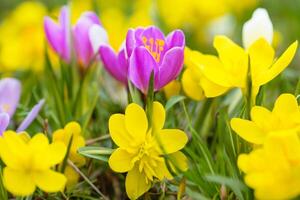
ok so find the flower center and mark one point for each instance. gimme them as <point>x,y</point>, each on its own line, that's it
<point>5,107</point>
<point>154,46</point>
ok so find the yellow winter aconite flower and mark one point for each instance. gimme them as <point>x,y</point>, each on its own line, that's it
<point>24,24</point>
<point>71,130</point>
<point>28,164</point>
<point>172,89</point>
<point>284,116</point>
<point>230,69</point>
<point>140,148</point>
<point>273,171</point>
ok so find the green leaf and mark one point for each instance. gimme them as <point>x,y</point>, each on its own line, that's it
<point>98,153</point>
<point>173,100</point>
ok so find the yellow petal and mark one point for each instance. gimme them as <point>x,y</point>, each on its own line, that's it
<point>136,122</point>
<point>13,150</point>
<point>73,128</point>
<point>261,56</point>
<point>162,171</point>
<point>212,89</point>
<point>158,116</point>
<point>18,182</point>
<point>234,60</point>
<point>171,140</point>
<point>50,181</point>
<point>136,184</point>
<point>172,89</point>
<point>72,176</point>
<point>191,85</point>
<point>39,142</point>
<point>121,161</point>
<point>56,153</point>
<point>78,142</point>
<point>118,131</point>
<point>178,162</point>
<point>286,108</point>
<point>248,130</point>
<point>261,116</point>
<point>282,62</point>
<point>60,135</point>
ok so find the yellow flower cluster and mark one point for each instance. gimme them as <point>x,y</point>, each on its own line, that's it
<point>141,148</point>
<point>235,67</point>
<point>272,169</point>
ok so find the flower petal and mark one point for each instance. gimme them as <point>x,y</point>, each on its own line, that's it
<point>56,153</point>
<point>120,161</point>
<point>259,26</point>
<point>50,181</point>
<point>31,116</point>
<point>10,91</point>
<point>175,39</point>
<point>281,63</point>
<point>170,68</point>
<point>4,121</point>
<point>141,65</point>
<point>18,182</point>
<point>118,131</point>
<point>248,130</point>
<point>158,116</point>
<point>191,85</point>
<point>112,63</point>
<point>97,36</point>
<point>136,184</point>
<point>171,140</point>
<point>261,116</point>
<point>133,114</point>
<point>286,107</point>
<point>178,162</point>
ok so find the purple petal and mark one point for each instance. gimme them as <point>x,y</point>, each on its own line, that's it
<point>31,116</point>
<point>175,39</point>
<point>131,38</point>
<point>10,91</point>
<point>58,35</point>
<point>116,65</point>
<point>170,68</point>
<point>141,64</point>
<point>92,16</point>
<point>83,47</point>
<point>4,121</point>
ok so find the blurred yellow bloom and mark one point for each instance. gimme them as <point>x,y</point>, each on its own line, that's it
<point>22,38</point>
<point>28,164</point>
<point>71,130</point>
<point>230,68</point>
<point>117,22</point>
<point>172,89</point>
<point>273,171</point>
<point>141,148</point>
<point>284,116</point>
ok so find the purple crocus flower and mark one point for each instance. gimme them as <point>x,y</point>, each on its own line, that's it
<point>10,91</point>
<point>115,63</point>
<point>149,50</point>
<point>63,38</point>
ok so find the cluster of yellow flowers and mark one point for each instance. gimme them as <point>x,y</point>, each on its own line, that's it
<point>273,168</point>
<point>30,162</point>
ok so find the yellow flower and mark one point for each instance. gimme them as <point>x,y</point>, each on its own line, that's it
<point>71,130</point>
<point>230,69</point>
<point>28,164</point>
<point>24,24</point>
<point>273,171</point>
<point>194,83</point>
<point>284,116</point>
<point>140,147</point>
<point>172,89</point>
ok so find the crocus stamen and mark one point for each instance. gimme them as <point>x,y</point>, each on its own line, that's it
<point>154,46</point>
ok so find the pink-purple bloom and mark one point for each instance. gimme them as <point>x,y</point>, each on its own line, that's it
<point>64,39</point>
<point>150,51</point>
<point>10,92</point>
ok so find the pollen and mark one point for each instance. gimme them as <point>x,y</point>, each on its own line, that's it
<point>154,46</point>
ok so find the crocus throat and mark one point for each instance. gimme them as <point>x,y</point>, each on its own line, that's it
<point>5,107</point>
<point>154,46</point>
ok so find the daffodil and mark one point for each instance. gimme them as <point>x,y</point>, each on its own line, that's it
<point>273,171</point>
<point>141,148</point>
<point>71,130</point>
<point>28,163</point>
<point>284,116</point>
